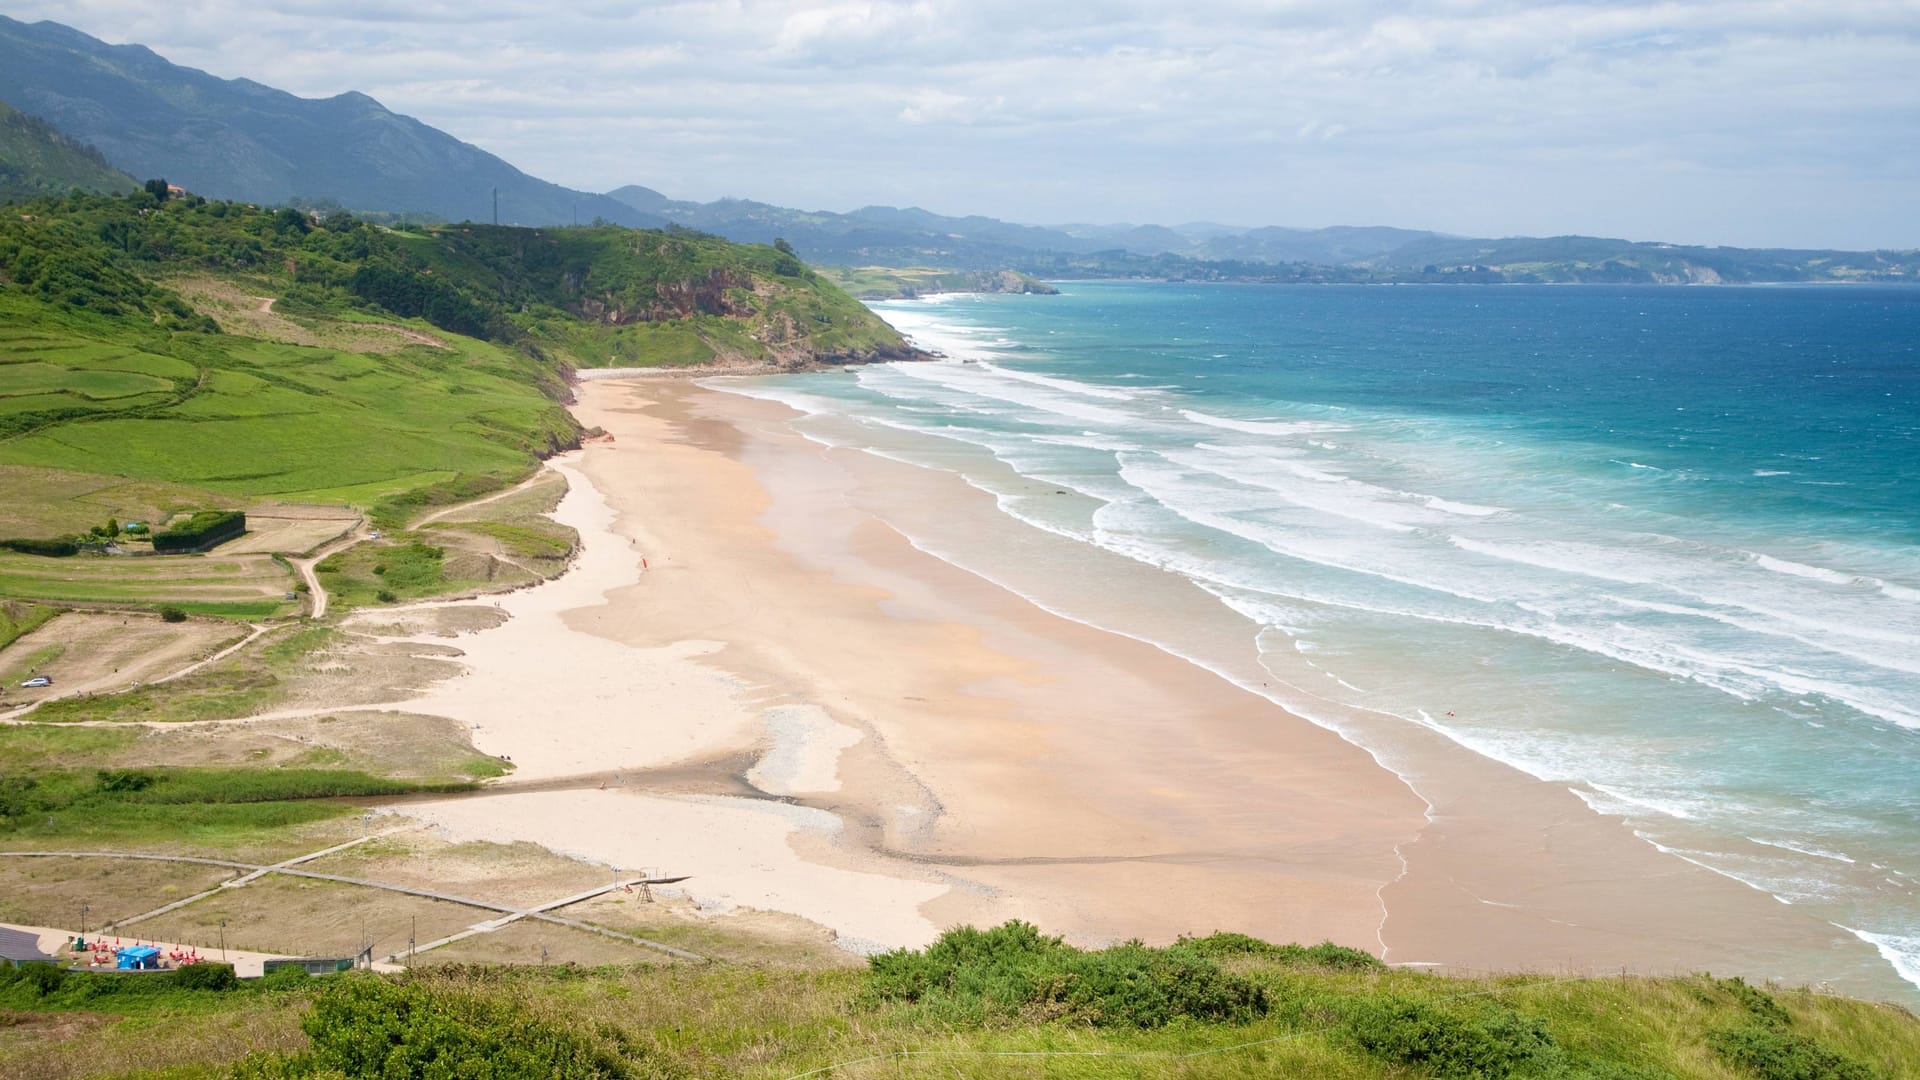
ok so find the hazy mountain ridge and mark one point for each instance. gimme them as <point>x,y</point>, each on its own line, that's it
<point>914,237</point>
<point>238,139</point>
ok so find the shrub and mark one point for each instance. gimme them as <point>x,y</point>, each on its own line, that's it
<point>1134,986</point>
<point>1758,1003</point>
<point>206,977</point>
<point>1408,1031</point>
<point>1771,1054</point>
<point>39,979</point>
<point>169,613</point>
<point>124,780</point>
<point>1324,955</point>
<point>1013,969</point>
<point>369,1027</point>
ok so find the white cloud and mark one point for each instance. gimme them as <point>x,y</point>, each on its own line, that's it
<point>1739,121</point>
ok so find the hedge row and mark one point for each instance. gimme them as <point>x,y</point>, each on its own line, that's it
<point>202,529</point>
<point>54,548</point>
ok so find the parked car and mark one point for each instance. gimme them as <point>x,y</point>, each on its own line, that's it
<point>37,680</point>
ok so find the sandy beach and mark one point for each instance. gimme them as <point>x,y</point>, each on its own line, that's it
<point>753,677</point>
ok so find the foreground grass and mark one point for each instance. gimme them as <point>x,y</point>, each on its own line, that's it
<point>1322,1015</point>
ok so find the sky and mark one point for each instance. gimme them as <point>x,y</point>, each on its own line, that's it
<point>1741,122</point>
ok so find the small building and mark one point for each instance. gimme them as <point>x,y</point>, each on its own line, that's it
<point>312,965</point>
<point>137,958</point>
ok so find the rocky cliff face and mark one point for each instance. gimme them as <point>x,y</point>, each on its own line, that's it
<point>717,293</point>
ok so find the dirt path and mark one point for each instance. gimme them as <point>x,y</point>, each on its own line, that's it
<point>221,655</point>
<point>457,508</point>
<point>305,567</point>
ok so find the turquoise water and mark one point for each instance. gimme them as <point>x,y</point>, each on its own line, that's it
<point>1660,545</point>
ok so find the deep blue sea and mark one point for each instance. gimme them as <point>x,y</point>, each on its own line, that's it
<point>1661,545</point>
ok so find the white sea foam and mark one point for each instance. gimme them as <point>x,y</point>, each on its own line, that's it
<point>1467,509</point>
<point>1817,573</point>
<point>1772,472</point>
<point>1068,385</point>
<point>1261,427</point>
<point>1804,849</point>
<point>1900,950</point>
<point>1044,404</point>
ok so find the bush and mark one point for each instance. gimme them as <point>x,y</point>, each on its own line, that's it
<point>1013,969</point>
<point>1758,1003</point>
<point>1408,1031</point>
<point>1771,1054</point>
<point>363,1026</point>
<point>1324,955</point>
<point>36,978</point>
<point>206,977</point>
<point>124,780</point>
<point>169,613</point>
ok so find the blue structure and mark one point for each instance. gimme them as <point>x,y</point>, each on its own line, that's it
<point>138,958</point>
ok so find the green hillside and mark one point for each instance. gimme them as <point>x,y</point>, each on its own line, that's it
<point>37,160</point>
<point>607,296</point>
<point>209,352</point>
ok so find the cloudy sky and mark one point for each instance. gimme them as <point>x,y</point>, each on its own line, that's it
<point>1752,122</point>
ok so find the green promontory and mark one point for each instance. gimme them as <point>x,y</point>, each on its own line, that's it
<point>208,354</point>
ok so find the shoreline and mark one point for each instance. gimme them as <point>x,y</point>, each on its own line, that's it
<point>967,756</point>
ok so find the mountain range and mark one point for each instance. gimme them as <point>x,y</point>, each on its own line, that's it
<point>238,139</point>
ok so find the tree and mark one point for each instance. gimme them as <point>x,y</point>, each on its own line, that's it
<point>780,245</point>
<point>158,189</point>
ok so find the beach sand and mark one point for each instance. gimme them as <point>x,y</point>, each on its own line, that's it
<point>753,677</point>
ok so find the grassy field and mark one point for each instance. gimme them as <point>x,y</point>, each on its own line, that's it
<point>17,618</point>
<point>235,586</point>
<point>215,422</point>
<point>240,685</point>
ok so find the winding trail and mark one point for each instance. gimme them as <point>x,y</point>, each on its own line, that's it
<point>456,508</point>
<point>221,655</point>
<point>305,567</point>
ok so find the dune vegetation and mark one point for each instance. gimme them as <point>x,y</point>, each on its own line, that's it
<point>1002,1002</point>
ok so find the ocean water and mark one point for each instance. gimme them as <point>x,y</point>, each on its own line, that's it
<point>1659,545</point>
